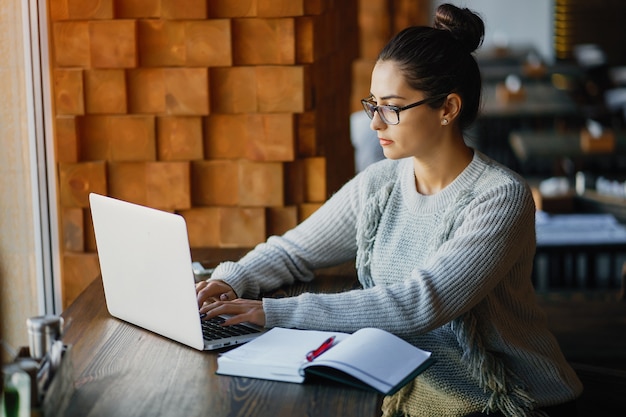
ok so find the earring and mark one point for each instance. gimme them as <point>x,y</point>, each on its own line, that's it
<point>444,122</point>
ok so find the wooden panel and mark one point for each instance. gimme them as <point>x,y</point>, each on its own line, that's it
<point>226,136</point>
<point>271,137</point>
<point>117,138</point>
<point>161,43</point>
<point>203,226</point>
<point>73,229</point>
<point>186,91</point>
<point>127,181</point>
<point>71,44</point>
<point>179,138</point>
<point>283,89</point>
<point>89,234</point>
<point>260,184</point>
<point>233,90</point>
<point>294,182</point>
<point>125,9</point>
<point>68,91</point>
<point>241,227</point>
<point>208,43</point>
<point>162,185</point>
<point>215,183</point>
<point>66,139</point>
<point>79,270</point>
<point>113,43</point>
<point>146,90</point>
<point>305,210</point>
<point>76,181</point>
<point>230,8</point>
<point>281,219</point>
<point>105,91</point>
<point>264,41</point>
<point>315,180</point>
<point>168,185</point>
<point>306,134</point>
<point>280,8</point>
<point>184,9</point>
<point>81,9</point>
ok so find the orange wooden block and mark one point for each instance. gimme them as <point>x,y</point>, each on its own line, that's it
<point>68,91</point>
<point>125,9</point>
<point>118,138</point>
<point>184,9</point>
<point>271,137</point>
<point>280,8</point>
<point>260,184</point>
<point>361,78</point>
<point>264,41</point>
<point>89,234</point>
<point>305,210</point>
<point>233,90</point>
<point>203,226</point>
<point>215,183</point>
<point>230,8</point>
<point>79,270</point>
<point>162,185</point>
<point>168,185</point>
<point>71,44</point>
<point>294,182</point>
<point>226,136</point>
<point>315,180</point>
<point>242,227</point>
<point>316,6</point>
<point>76,181</point>
<point>105,91</point>
<point>283,89</point>
<point>66,139</point>
<point>306,134</point>
<point>81,9</point>
<point>73,229</point>
<point>186,91</point>
<point>281,219</point>
<point>161,43</point>
<point>113,43</point>
<point>307,49</point>
<point>179,138</point>
<point>127,181</point>
<point>208,43</point>
<point>146,90</point>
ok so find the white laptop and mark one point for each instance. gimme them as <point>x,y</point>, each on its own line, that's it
<point>147,273</point>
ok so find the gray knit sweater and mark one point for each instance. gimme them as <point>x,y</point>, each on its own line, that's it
<point>449,272</point>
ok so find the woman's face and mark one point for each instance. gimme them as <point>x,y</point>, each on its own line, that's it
<point>419,130</point>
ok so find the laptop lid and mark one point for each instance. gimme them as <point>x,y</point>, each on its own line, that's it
<point>146,268</point>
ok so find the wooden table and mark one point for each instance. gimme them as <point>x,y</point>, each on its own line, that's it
<point>122,370</point>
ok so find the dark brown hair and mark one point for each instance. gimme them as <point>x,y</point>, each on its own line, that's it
<point>438,60</point>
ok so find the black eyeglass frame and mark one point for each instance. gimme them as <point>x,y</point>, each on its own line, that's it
<point>368,105</point>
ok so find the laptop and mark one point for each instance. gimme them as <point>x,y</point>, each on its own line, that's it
<point>146,268</point>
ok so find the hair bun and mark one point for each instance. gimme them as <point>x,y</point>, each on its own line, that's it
<point>464,25</point>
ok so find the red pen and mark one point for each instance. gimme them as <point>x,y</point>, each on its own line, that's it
<point>328,343</point>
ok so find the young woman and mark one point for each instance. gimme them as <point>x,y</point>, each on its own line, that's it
<point>444,241</point>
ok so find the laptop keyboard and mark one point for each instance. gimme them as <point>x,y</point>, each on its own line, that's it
<point>213,330</point>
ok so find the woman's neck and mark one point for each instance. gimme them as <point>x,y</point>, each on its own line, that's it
<point>436,172</point>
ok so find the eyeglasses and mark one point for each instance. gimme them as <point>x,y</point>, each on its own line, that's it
<point>391,114</point>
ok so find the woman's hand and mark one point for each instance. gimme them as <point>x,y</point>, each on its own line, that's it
<point>241,310</point>
<point>213,290</point>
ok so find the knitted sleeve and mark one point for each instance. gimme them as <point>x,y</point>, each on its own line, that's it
<point>479,246</point>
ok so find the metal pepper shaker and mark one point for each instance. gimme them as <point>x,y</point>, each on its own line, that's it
<point>42,332</point>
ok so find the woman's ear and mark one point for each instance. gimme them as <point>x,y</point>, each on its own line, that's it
<point>451,107</point>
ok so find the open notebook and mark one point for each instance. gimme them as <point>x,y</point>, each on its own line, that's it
<point>147,273</point>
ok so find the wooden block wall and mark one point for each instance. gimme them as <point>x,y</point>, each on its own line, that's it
<point>234,114</point>
<point>378,21</point>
